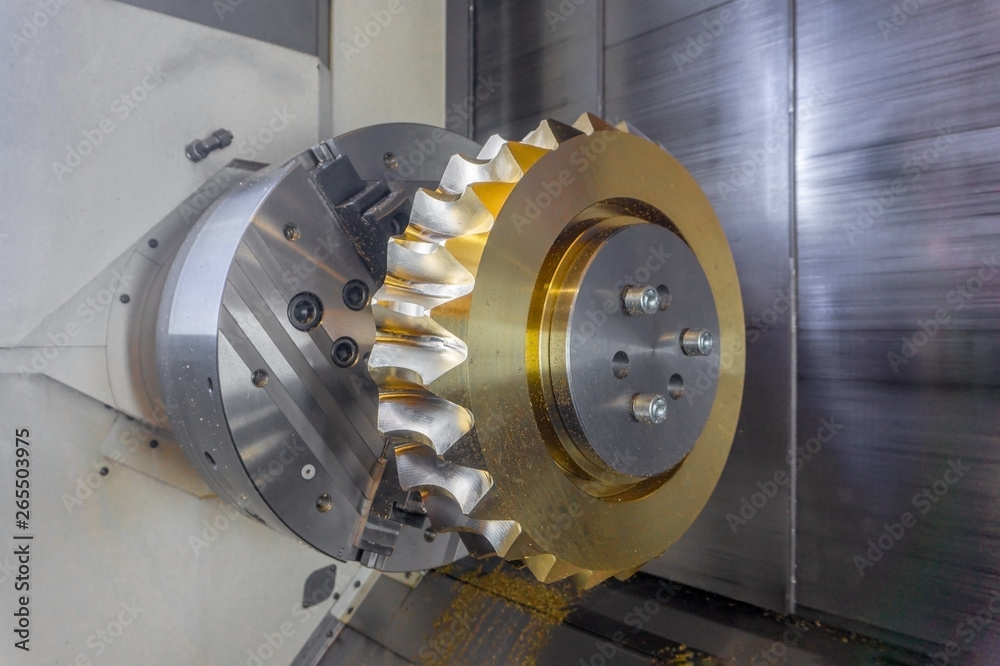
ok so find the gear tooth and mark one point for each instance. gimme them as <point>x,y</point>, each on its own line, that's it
<point>416,343</point>
<point>463,171</point>
<point>507,166</point>
<point>492,195</point>
<point>438,216</point>
<point>491,147</point>
<point>549,569</point>
<point>423,274</point>
<point>409,410</point>
<point>628,128</point>
<point>625,574</point>
<point>421,469</point>
<point>588,578</point>
<point>588,123</point>
<point>447,516</point>
<point>550,133</point>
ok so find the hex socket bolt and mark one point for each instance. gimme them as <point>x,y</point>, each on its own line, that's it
<point>649,408</point>
<point>697,342</point>
<point>640,300</point>
<point>199,149</point>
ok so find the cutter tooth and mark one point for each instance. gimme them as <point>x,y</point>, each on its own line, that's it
<point>507,166</point>
<point>550,133</point>
<point>446,516</point>
<point>438,216</point>
<point>417,343</point>
<point>588,123</point>
<point>421,469</point>
<point>409,410</point>
<point>424,274</point>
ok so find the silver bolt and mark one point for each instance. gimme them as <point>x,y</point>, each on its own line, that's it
<point>649,408</point>
<point>641,300</point>
<point>697,342</point>
<point>308,472</point>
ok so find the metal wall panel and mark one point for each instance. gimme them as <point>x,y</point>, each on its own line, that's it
<point>898,233</point>
<point>712,86</point>
<point>542,56</point>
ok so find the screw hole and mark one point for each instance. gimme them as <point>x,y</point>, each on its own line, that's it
<point>124,298</point>
<point>324,503</point>
<point>104,471</point>
<point>664,294</point>
<point>153,242</point>
<point>620,365</point>
<point>390,161</point>
<point>259,378</point>
<point>675,387</point>
<point>292,233</point>
<point>153,443</point>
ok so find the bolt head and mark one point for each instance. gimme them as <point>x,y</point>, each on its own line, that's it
<point>641,300</point>
<point>697,342</point>
<point>649,408</point>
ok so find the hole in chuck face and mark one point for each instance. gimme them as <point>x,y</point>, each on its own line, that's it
<point>305,311</point>
<point>620,365</point>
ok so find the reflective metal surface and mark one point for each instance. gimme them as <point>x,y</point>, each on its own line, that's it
<point>263,324</point>
<point>899,280</point>
<point>889,209</point>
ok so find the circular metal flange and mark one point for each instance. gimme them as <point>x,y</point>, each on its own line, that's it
<point>587,328</point>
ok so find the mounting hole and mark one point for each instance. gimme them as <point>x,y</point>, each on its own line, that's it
<point>292,233</point>
<point>356,294</point>
<point>324,503</point>
<point>429,535</point>
<point>308,472</point>
<point>153,242</point>
<point>211,460</point>
<point>675,387</point>
<point>664,295</point>
<point>124,298</point>
<point>153,443</point>
<point>259,378</point>
<point>620,365</point>
<point>345,352</point>
<point>390,161</point>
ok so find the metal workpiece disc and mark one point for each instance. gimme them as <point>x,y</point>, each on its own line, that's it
<point>622,175</point>
<point>601,357</point>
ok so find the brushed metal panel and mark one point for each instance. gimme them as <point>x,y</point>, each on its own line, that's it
<point>724,115</point>
<point>544,57</point>
<point>898,227</point>
<point>294,24</point>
